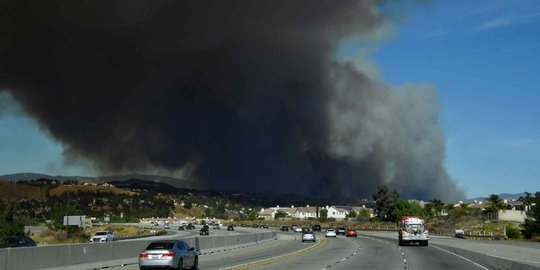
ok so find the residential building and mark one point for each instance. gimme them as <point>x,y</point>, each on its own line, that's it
<point>305,212</point>
<point>270,213</point>
<point>337,212</point>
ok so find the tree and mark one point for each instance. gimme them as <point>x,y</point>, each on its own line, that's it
<point>495,203</point>
<point>188,204</point>
<point>220,211</point>
<point>531,228</point>
<point>252,216</point>
<point>280,214</point>
<point>9,225</point>
<point>58,211</point>
<point>527,201</point>
<point>323,214</point>
<point>406,208</point>
<point>460,211</point>
<point>363,215</point>
<point>434,207</point>
<point>352,214</point>
<point>385,201</point>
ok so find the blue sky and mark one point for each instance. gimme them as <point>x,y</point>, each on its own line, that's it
<point>482,56</point>
<point>484,59</point>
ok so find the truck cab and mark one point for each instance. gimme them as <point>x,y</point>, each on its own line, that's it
<point>412,230</point>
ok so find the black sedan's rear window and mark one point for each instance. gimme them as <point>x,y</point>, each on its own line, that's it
<point>160,245</point>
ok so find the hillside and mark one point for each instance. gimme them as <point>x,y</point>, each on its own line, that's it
<point>12,191</point>
<point>154,184</point>
<point>142,185</point>
<point>179,183</point>
<point>74,188</point>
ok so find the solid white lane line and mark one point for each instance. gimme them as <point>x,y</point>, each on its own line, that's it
<point>511,259</point>
<point>459,256</point>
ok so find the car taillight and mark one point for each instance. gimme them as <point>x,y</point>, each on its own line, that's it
<point>170,254</point>
<point>143,255</point>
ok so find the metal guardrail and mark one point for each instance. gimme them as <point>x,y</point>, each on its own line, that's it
<point>100,255</point>
<point>384,229</point>
<point>443,233</point>
<point>484,237</point>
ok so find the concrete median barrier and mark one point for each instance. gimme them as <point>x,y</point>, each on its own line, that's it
<point>99,255</point>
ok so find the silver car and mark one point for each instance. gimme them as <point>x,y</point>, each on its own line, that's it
<point>308,236</point>
<point>175,254</point>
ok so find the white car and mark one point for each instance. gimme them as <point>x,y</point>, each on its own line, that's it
<point>297,229</point>
<point>102,237</point>
<point>308,236</point>
<point>330,233</point>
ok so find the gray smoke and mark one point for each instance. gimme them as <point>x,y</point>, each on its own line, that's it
<point>236,94</point>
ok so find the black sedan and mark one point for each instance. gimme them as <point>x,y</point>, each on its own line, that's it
<point>17,241</point>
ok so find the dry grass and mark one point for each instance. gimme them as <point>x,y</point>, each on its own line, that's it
<point>61,237</point>
<point>182,212</point>
<point>12,191</point>
<point>74,188</point>
<point>119,231</point>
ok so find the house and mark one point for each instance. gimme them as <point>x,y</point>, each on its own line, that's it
<point>305,212</point>
<point>287,210</point>
<point>363,208</point>
<point>270,213</point>
<point>267,214</point>
<point>515,205</point>
<point>337,212</point>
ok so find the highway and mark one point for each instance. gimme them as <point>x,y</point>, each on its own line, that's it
<point>174,233</point>
<point>373,250</point>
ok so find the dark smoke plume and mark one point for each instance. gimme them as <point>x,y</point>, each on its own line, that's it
<point>238,94</point>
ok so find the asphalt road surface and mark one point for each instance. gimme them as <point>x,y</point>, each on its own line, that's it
<point>374,250</point>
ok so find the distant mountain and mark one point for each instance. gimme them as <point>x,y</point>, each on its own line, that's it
<point>504,196</point>
<point>175,182</point>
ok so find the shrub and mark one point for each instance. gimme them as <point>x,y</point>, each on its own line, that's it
<point>513,233</point>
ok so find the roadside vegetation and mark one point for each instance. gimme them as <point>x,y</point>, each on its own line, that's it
<point>46,202</point>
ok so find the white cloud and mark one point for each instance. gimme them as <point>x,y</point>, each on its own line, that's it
<point>507,21</point>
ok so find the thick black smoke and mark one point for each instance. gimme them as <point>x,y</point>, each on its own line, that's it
<point>242,94</point>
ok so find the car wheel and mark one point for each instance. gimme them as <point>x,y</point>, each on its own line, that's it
<point>180,265</point>
<point>195,263</point>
